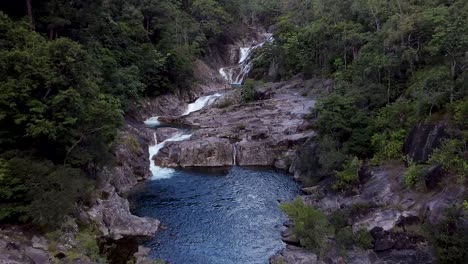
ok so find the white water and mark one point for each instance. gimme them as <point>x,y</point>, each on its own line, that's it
<point>160,172</point>
<point>200,103</point>
<point>244,54</point>
<point>153,122</point>
<point>237,74</point>
<point>234,155</point>
<point>227,73</point>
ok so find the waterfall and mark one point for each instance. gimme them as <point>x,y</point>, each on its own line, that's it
<point>200,103</point>
<point>160,172</point>
<point>153,122</point>
<point>234,155</point>
<point>236,74</point>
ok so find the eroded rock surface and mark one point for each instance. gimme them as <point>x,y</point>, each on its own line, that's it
<point>113,218</point>
<point>260,133</point>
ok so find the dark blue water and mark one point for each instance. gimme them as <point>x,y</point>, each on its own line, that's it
<point>217,218</point>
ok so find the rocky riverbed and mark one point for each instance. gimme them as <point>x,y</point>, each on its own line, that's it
<point>264,132</point>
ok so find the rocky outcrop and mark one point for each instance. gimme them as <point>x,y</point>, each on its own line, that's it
<point>112,216</point>
<point>260,133</point>
<point>294,255</point>
<point>206,152</point>
<point>389,211</point>
<point>423,139</point>
<point>208,81</point>
<point>17,248</point>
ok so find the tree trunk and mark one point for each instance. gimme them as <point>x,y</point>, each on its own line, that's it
<point>30,15</point>
<point>453,69</point>
<point>51,33</point>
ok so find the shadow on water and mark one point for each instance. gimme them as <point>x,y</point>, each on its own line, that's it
<point>225,215</point>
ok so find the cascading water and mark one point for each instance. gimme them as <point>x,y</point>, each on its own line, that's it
<point>236,74</point>
<point>200,103</point>
<point>153,122</point>
<point>159,172</point>
<point>229,218</point>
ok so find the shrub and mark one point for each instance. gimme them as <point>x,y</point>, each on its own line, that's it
<point>40,192</point>
<point>248,91</point>
<point>452,156</point>
<point>349,176</point>
<point>339,219</point>
<point>414,176</point>
<point>450,237</point>
<point>87,244</point>
<point>225,102</point>
<point>388,147</point>
<point>363,239</point>
<point>310,225</point>
<point>345,237</point>
<point>133,144</point>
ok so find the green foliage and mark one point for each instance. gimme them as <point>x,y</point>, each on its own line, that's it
<point>393,66</point>
<point>414,176</point>
<point>450,237</point>
<point>248,91</point>
<point>330,157</point>
<point>364,239</point>
<point>211,16</point>
<point>65,86</point>
<point>345,237</point>
<point>310,225</point>
<point>41,192</point>
<point>452,156</point>
<point>349,176</point>
<point>87,244</point>
<point>388,147</point>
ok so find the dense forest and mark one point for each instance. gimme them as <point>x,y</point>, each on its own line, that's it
<point>69,72</point>
<point>394,63</point>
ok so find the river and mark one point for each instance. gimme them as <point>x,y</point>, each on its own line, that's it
<point>217,217</point>
<point>227,216</point>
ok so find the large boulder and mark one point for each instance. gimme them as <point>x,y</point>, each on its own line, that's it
<point>423,139</point>
<point>259,153</point>
<point>111,214</point>
<point>208,152</point>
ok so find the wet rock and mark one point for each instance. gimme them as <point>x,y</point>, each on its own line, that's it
<point>265,133</point>
<point>165,133</point>
<point>423,139</point>
<point>291,240</point>
<point>113,218</point>
<point>287,232</point>
<point>310,190</point>
<point>141,256</point>
<point>288,224</point>
<point>294,256</point>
